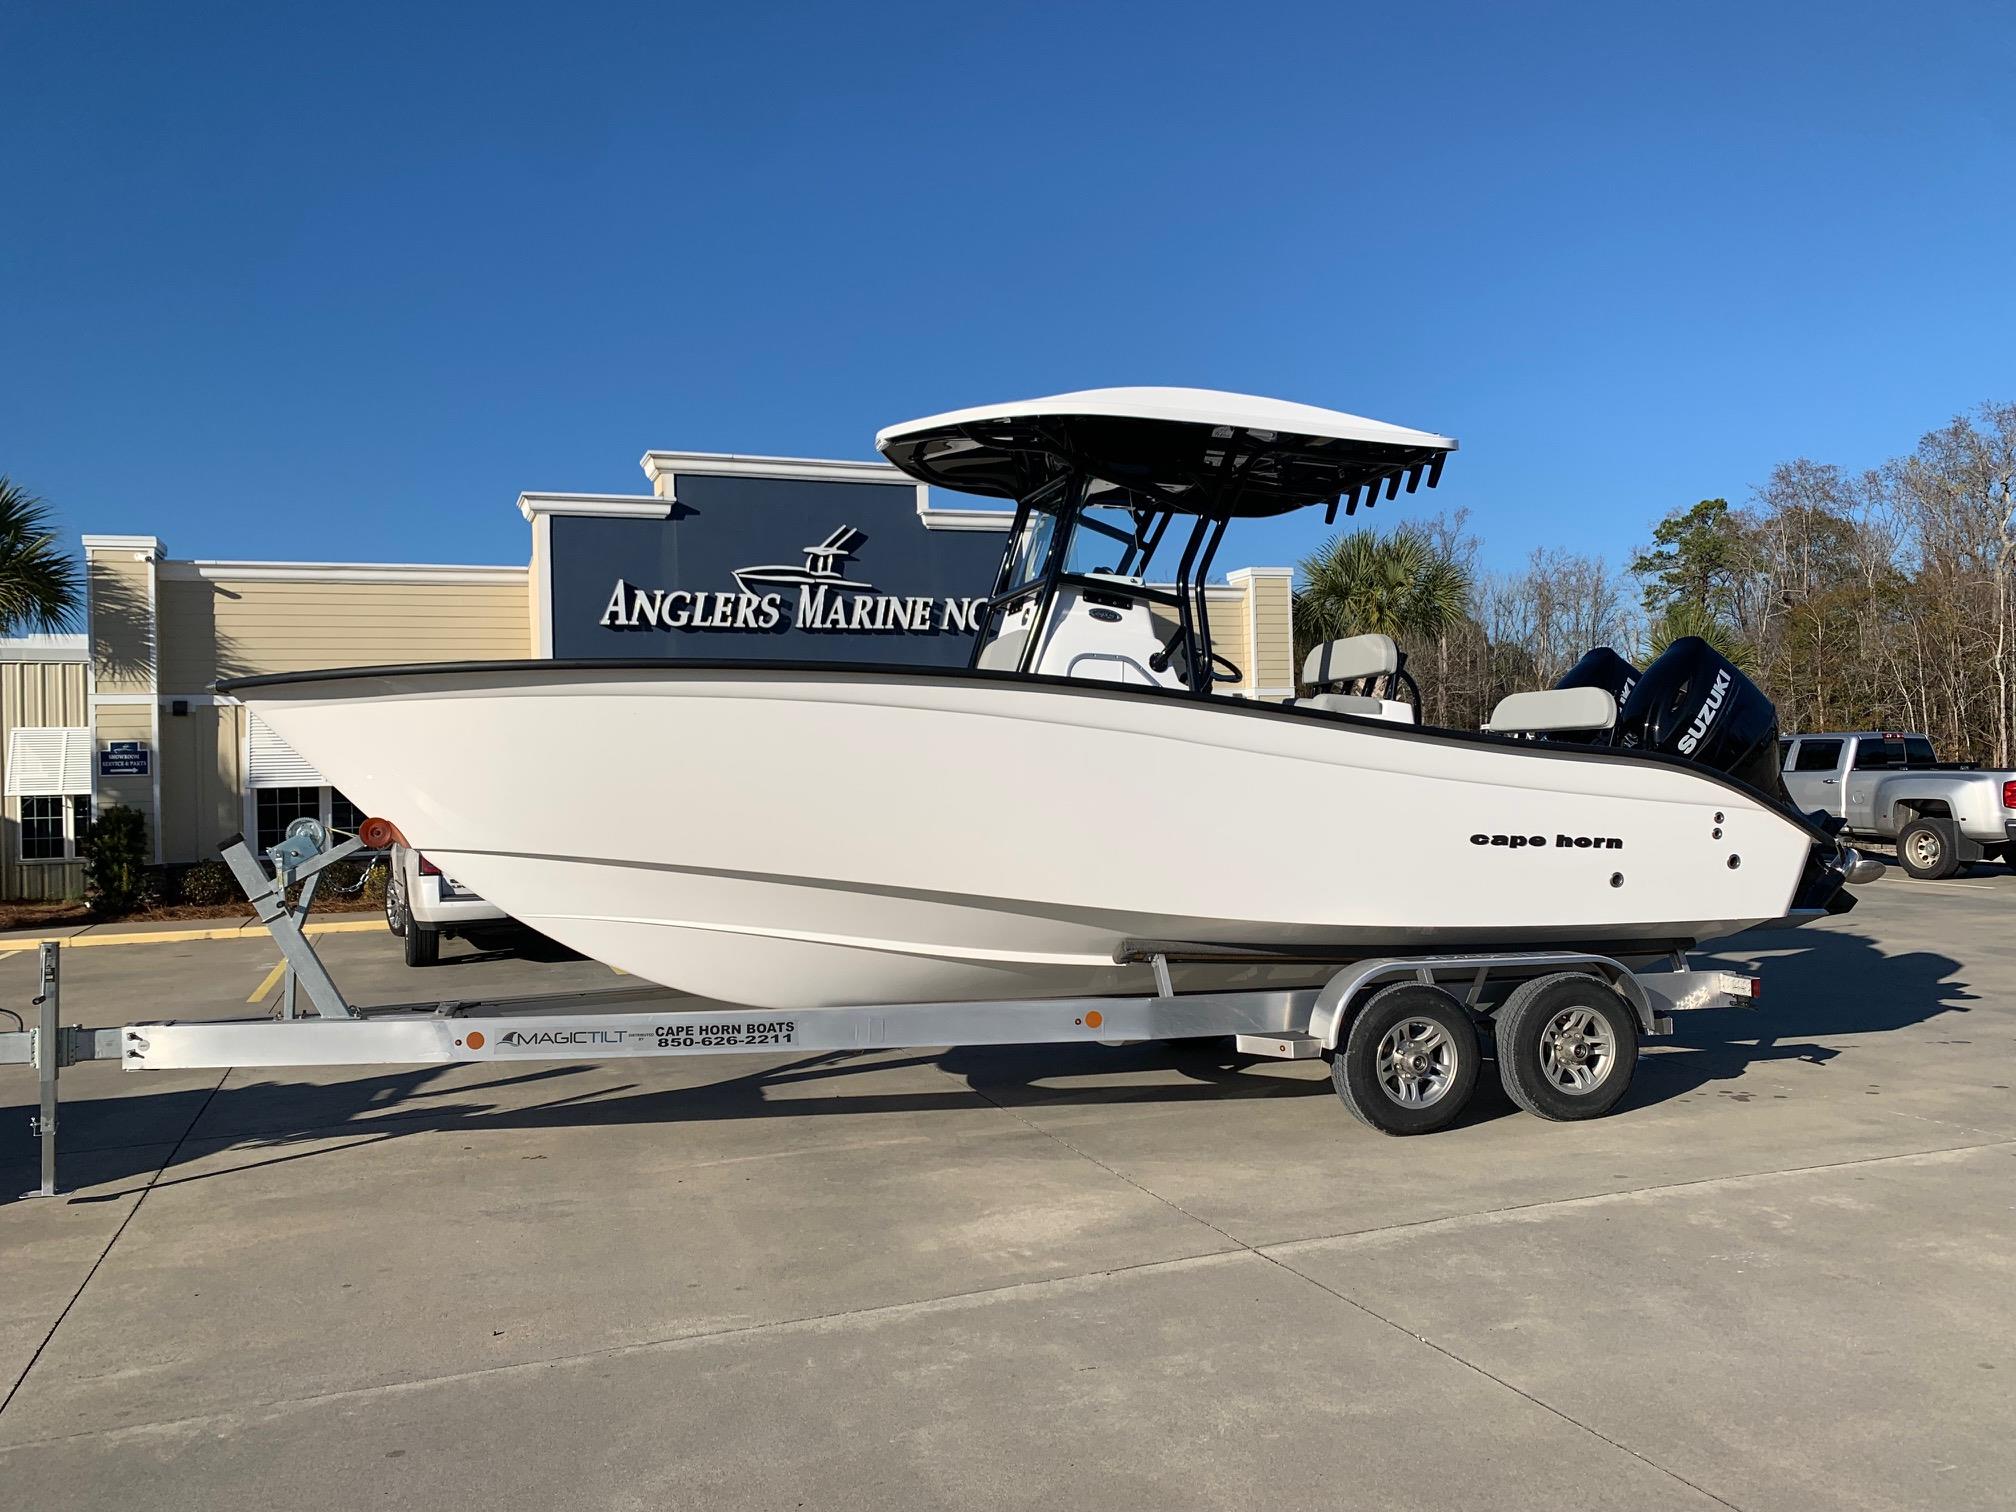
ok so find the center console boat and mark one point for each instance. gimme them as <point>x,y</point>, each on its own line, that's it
<point>801,836</point>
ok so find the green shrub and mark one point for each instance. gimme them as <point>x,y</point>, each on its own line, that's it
<point>114,857</point>
<point>209,884</point>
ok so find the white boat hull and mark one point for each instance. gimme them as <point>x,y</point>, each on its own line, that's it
<point>797,838</point>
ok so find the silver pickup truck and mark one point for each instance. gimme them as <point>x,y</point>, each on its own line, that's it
<point>1940,815</point>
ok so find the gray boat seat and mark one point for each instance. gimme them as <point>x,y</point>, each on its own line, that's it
<point>1343,703</point>
<point>1004,652</point>
<point>1349,659</point>
<point>1553,709</point>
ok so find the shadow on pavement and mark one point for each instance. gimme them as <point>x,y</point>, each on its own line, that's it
<point>1819,985</point>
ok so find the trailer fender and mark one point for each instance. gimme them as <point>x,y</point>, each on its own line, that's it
<point>1464,975</point>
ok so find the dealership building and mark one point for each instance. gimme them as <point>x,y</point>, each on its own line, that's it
<point>728,557</point>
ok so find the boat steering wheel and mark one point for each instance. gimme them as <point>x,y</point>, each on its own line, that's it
<point>1223,668</point>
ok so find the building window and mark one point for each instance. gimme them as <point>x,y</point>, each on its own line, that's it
<point>52,826</point>
<point>274,808</point>
<point>48,766</point>
<point>343,814</point>
<point>278,807</point>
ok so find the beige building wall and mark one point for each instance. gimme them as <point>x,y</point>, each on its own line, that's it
<point>1270,619</point>
<point>215,623</point>
<point>119,588</point>
<point>32,693</point>
<point>202,780</point>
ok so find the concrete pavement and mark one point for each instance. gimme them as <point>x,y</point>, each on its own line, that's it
<point>1778,1277</point>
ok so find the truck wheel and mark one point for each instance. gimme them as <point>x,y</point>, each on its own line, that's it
<point>1408,1063</point>
<point>1929,848</point>
<point>1567,1045</point>
<point>396,918</point>
<point>423,945</point>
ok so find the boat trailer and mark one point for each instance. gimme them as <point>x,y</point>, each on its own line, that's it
<point>1423,1062</point>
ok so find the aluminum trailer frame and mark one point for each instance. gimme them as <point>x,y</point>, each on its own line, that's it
<point>635,1022</point>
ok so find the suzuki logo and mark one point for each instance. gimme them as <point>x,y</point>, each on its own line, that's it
<point>1707,715</point>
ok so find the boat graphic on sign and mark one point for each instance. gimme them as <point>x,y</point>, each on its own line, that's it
<point>822,565</point>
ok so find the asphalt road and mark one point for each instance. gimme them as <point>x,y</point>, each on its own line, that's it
<point>1780,1277</point>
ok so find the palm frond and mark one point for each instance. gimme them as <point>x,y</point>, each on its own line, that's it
<point>40,585</point>
<point>1365,583</point>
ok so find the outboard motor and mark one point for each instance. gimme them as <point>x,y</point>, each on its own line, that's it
<point>1602,668</point>
<point>1693,702</point>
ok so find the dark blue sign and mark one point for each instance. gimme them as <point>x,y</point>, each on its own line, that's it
<point>777,569</point>
<point>122,758</point>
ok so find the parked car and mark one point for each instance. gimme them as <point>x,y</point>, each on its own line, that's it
<point>1887,786</point>
<point>423,904</point>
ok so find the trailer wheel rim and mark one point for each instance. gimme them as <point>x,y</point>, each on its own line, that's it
<point>1578,1050</point>
<point>1925,849</point>
<point>1416,1063</point>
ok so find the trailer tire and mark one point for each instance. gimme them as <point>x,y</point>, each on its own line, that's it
<point>1430,1090</point>
<point>1929,848</point>
<point>1567,1045</point>
<point>423,945</point>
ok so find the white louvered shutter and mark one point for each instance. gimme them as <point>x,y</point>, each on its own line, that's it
<point>274,763</point>
<point>48,761</point>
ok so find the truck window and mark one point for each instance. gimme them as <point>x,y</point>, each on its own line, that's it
<point>1918,751</point>
<point>1818,756</point>
<point>1871,754</point>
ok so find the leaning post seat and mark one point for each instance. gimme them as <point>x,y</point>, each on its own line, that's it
<point>1343,703</point>
<point>1342,661</point>
<point>1353,660</point>
<point>1552,711</point>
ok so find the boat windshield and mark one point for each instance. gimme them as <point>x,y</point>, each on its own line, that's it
<point>1085,532</point>
<point>1031,552</point>
<point>1106,539</point>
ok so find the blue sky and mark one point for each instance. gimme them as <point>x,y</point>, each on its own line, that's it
<point>337,282</point>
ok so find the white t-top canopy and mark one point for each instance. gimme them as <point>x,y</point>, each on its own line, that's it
<point>1198,449</point>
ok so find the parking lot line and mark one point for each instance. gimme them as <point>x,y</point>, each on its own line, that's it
<point>279,968</point>
<point>249,930</point>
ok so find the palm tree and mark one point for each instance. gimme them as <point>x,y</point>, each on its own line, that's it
<point>39,584</point>
<point>1365,583</point>
<point>1691,617</point>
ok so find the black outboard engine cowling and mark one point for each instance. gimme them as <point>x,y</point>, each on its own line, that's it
<point>1693,702</point>
<point>1603,668</point>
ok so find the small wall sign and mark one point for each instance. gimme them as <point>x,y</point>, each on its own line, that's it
<point>122,758</point>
